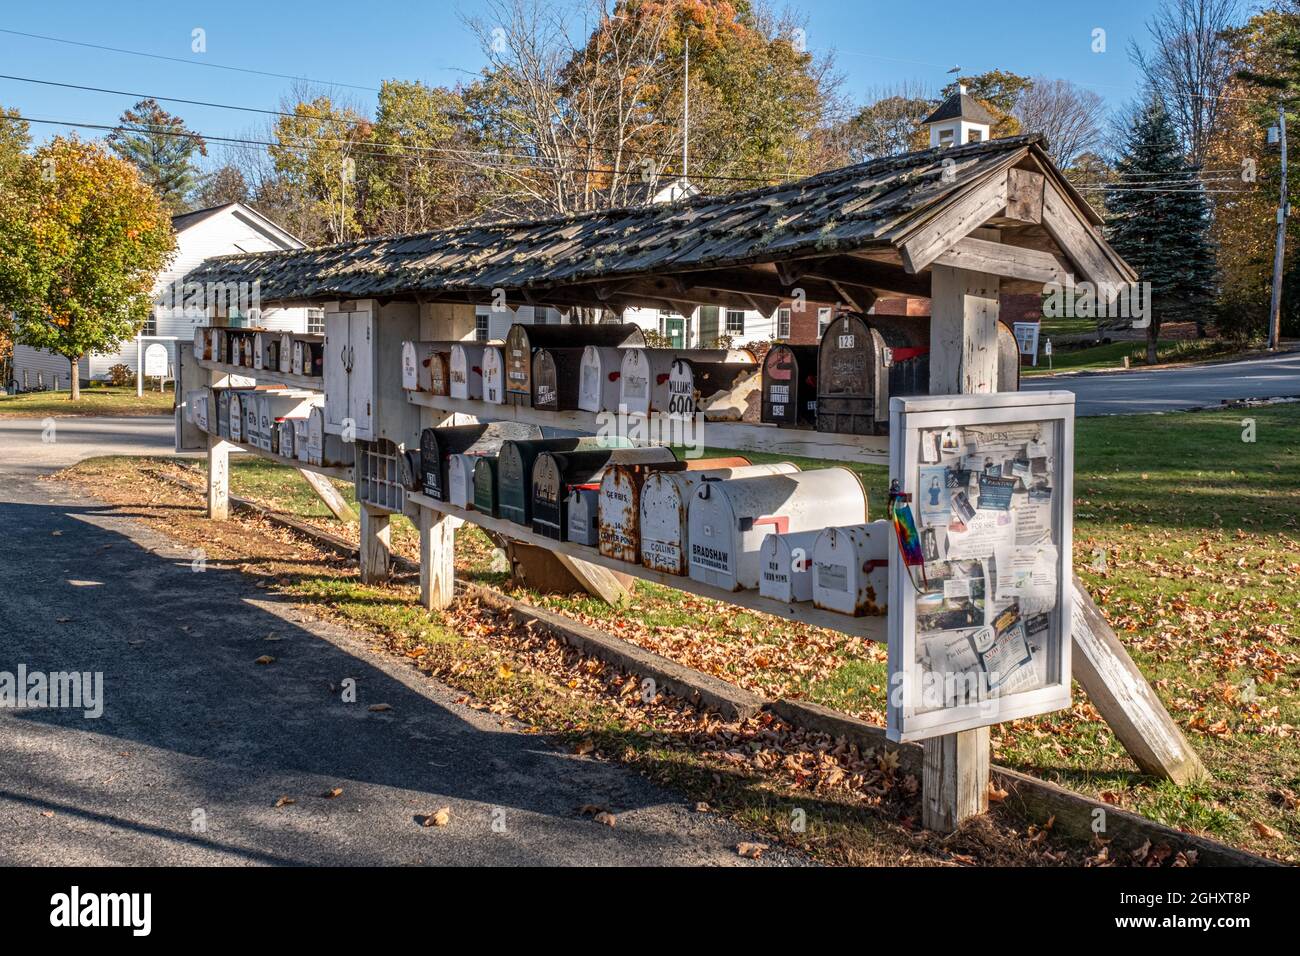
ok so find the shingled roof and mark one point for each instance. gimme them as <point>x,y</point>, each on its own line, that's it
<point>961,106</point>
<point>844,210</point>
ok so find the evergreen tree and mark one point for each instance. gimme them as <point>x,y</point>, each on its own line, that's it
<point>159,145</point>
<point>1158,220</point>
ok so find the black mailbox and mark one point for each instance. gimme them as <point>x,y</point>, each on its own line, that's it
<point>790,385</point>
<point>523,340</point>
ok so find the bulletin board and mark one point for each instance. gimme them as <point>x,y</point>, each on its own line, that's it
<point>979,632</point>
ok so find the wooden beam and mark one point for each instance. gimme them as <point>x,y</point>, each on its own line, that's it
<point>330,495</point>
<point>1081,243</point>
<point>219,478</point>
<point>955,774</point>
<point>1000,259</point>
<point>927,242</point>
<point>963,332</point>
<point>1025,195</point>
<point>437,559</point>
<point>376,545</point>
<point>599,581</point>
<point>859,272</point>
<point>1125,700</point>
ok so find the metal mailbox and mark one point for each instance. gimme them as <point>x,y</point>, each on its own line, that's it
<point>645,375</point>
<point>555,473</point>
<point>555,378</point>
<point>600,378</point>
<point>523,340</point>
<point>494,375</point>
<point>466,366</point>
<point>619,504</point>
<point>437,445</point>
<point>786,564</point>
<point>203,343</point>
<point>426,367</point>
<point>665,500</point>
<point>196,407</point>
<point>460,480</point>
<point>272,405</point>
<point>1008,359</point>
<point>324,448</point>
<point>223,413</point>
<point>729,519</point>
<point>515,473</point>
<point>308,356</point>
<point>485,486</point>
<point>583,508</point>
<point>862,363</point>
<point>719,391</point>
<point>790,385</point>
<point>851,568</point>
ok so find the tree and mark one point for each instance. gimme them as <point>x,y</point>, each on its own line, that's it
<point>1000,91</point>
<point>1158,220</point>
<point>80,248</point>
<point>887,126</point>
<point>316,153</point>
<point>15,140</point>
<point>162,149</point>
<point>1190,66</point>
<point>221,186</point>
<point>1069,116</point>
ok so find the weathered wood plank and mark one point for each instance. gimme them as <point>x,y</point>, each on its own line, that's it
<point>330,495</point>
<point>1025,195</point>
<point>955,778</point>
<point>954,223</point>
<point>1079,242</point>
<point>437,559</point>
<point>1125,700</point>
<point>376,544</point>
<point>218,478</point>
<point>603,583</point>
<point>963,332</point>
<point>1013,262</point>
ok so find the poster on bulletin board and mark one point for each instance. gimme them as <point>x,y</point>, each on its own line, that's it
<point>980,631</point>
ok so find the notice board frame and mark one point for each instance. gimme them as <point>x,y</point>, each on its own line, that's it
<point>908,417</point>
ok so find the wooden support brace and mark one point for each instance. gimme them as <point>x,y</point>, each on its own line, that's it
<point>1125,700</point>
<point>329,494</point>
<point>437,559</point>
<point>599,581</point>
<point>218,478</point>
<point>955,776</point>
<point>376,548</point>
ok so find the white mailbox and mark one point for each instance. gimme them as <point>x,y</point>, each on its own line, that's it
<point>851,568</point>
<point>979,630</point>
<point>460,480</point>
<point>729,519</point>
<point>494,375</point>
<point>786,562</point>
<point>600,379</point>
<point>467,372</point>
<point>425,367</point>
<point>665,501</point>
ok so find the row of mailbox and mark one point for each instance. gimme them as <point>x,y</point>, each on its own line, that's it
<point>843,385</point>
<point>291,353</point>
<point>792,535</point>
<point>282,421</point>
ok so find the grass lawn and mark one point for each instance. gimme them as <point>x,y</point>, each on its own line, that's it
<point>1111,355</point>
<point>102,400</point>
<point>1186,534</point>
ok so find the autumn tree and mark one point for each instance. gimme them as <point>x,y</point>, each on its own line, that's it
<point>223,185</point>
<point>889,124</point>
<point>15,140</point>
<point>162,149</point>
<point>81,244</point>
<point>316,154</point>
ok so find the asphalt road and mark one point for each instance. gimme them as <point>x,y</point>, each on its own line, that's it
<point>33,446</point>
<point>1175,389</point>
<point>196,742</point>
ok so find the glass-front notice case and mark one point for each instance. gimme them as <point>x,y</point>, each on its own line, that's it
<point>979,629</point>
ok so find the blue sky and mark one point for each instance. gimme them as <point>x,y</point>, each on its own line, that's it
<point>875,43</point>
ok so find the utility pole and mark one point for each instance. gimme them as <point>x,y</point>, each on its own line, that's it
<point>686,110</point>
<point>1275,309</point>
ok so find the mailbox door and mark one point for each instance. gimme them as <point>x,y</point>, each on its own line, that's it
<point>439,372</point>
<point>494,376</point>
<point>460,480</point>
<point>518,366</point>
<point>485,487</point>
<point>583,517</point>
<point>466,366</point>
<point>361,376</point>
<point>846,378</point>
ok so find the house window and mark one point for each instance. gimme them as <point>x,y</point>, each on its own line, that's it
<point>782,323</point>
<point>150,325</point>
<point>823,321</point>
<point>735,322</point>
<point>480,327</point>
<point>946,137</point>
<point>315,321</point>
<point>975,136</point>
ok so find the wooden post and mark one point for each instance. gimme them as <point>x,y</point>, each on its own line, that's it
<point>437,559</point>
<point>376,549</point>
<point>329,494</point>
<point>218,478</point>
<point>963,360</point>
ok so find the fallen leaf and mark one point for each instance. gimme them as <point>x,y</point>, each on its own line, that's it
<point>47,813</point>
<point>264,660</point>
<point>1266,831</point>
<point>584,747</point>
<point>606,818</point>
<point>588,809</point>
<point>285,802</point>
<point>331,794</point>
<point>702,807</point>
<point>751,851</point>
<point>996,795</point>
<point>439,818</point>
<point>379,708</point>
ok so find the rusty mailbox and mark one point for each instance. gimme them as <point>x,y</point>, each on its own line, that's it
<point>557,473</point>
<point>618,502</point>
<point>438,445</point>
<point>729,519</point>
<point>555,378</point>
<point>851,568</point>
<point>644,377</point>
<point>790,385</point>
<point>665,500</point>
<point>863,362</point>
<point>426,367</point>
<point>786,564</point>
<point>522,341</point>
<point>467,371</point>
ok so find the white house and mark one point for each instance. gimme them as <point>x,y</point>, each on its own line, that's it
<point>200,235</point>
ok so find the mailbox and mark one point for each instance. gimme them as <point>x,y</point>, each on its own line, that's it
<point>862,363</point>
<point>790,385</point>
<point>426,367</point>
<point>196,407</point>
<point>460,480</point>
<point>1008,359</point>
<point>308,356</point>
<point>223,413</point>
<point>494,375</point>
<point>717,390</point>
<point>523,340</point>
<point>729,519</point>
<point>619,505</point>
<point>665,500</point>
<point>645,375</point>
<point>583,507</point>
<point>275,404</point>
<point>437,445</point>
<point>202,343</point>
<point>485,486</point>
<point>300,442</point>
<point>786,564</point>
<point>515,473</point>
<point>284,353</point>
<point>284,446</point>
<point>216,349</point>
<point>466,364</point>
<point>851,568</point>
<point>555,379</point>
<point>556,472</point>
<point>323,448</point>
<point>236,423</point>
<point>600,378</point>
